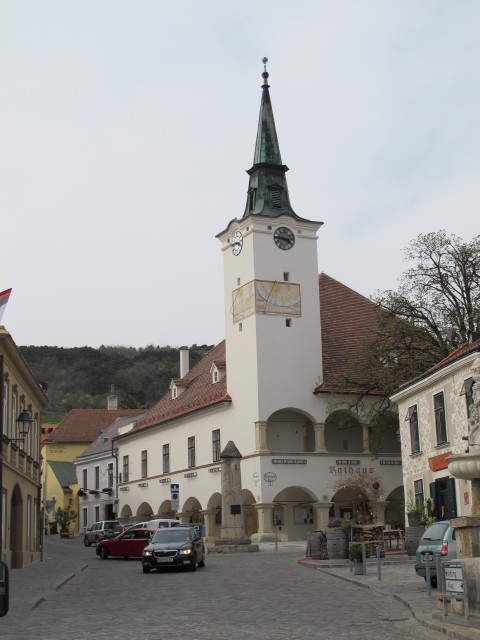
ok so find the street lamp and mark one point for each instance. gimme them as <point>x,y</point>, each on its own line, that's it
<point>24,421</point>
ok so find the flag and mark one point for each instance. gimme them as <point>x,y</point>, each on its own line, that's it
<point>4,296</point>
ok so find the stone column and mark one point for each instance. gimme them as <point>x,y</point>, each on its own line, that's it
<point>233,524</point>
<point>261,437</point>
<point>366,439</point>
<point>209,517</point>
<point>265,517</point>
<point>319,431</point>
<point>184,516</point>
<point>380,510</point>
<point>322,510</point>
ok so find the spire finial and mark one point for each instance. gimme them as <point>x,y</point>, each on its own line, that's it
<point>265,72</point>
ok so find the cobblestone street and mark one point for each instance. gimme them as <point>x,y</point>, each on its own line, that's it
<point>263,595</point>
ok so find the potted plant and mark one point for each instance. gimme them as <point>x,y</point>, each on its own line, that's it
<point>64,518</point>
<point>355,554</point>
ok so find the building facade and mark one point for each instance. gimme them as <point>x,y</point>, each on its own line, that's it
<point>20,462</point>
<point>433,411</point>
<point>279,386</point>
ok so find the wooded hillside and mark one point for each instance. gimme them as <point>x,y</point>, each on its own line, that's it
<point>81,377</point>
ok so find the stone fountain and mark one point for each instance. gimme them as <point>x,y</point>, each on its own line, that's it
<point>467,467</point>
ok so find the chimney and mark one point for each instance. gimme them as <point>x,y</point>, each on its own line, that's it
<point>184,361</point>
<point>112,399</point>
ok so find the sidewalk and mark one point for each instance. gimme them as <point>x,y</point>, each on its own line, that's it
<point>399,581</point>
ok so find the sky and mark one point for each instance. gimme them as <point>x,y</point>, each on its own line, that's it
<point>126,127</point>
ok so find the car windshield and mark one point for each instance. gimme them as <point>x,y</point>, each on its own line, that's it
<point>436,531</point>
<point>171,535</point>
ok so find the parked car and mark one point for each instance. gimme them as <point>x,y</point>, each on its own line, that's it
<point>178,546</point>
<point>99,531</point>
<point>126,545</point>
<point>437,541</point>
<point>158,523</point>
<point>121,528</point>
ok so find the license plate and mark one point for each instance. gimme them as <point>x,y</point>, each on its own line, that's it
<point>164,559</point>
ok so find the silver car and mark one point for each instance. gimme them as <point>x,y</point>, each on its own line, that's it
<point>99,531</point>
<point>437,541</point>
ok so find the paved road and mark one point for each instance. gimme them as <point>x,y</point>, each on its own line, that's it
<point>264,595</point>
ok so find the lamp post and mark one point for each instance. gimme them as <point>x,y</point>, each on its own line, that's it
<point>24,421</point>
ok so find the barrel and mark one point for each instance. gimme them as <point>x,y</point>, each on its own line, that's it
<point>337,543</point>
<point>317,546</point>
<point>412,538</point>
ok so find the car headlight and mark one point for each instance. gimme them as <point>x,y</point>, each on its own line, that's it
<point>185,552</point>
<point>148,553</point>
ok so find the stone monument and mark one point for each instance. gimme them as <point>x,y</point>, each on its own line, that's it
<point>233,521</point>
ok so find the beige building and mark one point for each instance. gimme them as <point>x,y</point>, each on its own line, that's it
<point>20,468</point>
<point>433,411</point>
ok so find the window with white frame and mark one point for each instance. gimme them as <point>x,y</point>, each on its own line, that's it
<point>467,391</point>
<point>110,475</point>
<point>96,478</point>
<point>85,479</point>
<point>216,445</point>
<point>166,458</point>
<point>144,463</point>
<point>84,517</point>
<point>418,494</point>
<point>5,407</point>
<point>191,451</point>
<point>97,514</point>
<point>125,469</point>
<point>440,419</point>
<point>412,418</point>
<point>13,416</point>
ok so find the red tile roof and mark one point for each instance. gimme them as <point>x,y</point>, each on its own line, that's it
<point>84,425</point>
<point>463,350</point>
<point>200,392</point>
<point>348,320</point>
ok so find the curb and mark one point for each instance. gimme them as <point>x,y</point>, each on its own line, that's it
<point>37,601</point>
<point>447,630</point>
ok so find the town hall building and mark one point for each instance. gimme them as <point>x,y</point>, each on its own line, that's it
<point>281,387</point>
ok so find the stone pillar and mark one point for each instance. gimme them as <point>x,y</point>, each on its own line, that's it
<point>319,431</point>
<point>233,524</point>
<point>209,517</point>
<point>261,437</point>
<point>265,516</point>
<point>184,516</point>
<point>380,510</point>
<point>322,510</point>
<point>366,439</point>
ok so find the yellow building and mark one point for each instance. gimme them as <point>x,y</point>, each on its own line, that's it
<point>20,469</point>
<point>66,442</point>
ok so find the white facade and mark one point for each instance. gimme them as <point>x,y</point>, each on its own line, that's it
<point>269,402</point>
<point>427,440</point>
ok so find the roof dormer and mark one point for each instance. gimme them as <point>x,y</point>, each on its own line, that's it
<point>218,370</point>
<point>177,387</point>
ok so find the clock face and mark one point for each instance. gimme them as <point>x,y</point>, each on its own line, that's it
<point>284,238</point>
<point>237,243</point>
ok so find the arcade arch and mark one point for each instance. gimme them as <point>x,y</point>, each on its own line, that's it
<point>293,513</point>
<point>343,432</point>
<point>290,430</point>
<point>144,512</point>
<point>16,528</point>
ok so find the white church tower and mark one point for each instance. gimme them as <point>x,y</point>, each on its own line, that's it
<point>272,313</point>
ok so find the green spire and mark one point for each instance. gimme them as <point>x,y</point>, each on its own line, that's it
<point>267,188</point>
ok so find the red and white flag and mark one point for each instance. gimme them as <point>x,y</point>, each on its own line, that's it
<point>4,296</point>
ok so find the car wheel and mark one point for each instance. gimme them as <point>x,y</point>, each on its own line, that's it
<point>145,569</point>
<point>193,564</point>
<point>103,553</point>
<point>86,542</point>
<point>201,564</point>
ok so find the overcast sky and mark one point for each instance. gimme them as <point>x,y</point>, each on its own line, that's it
<point>127,127</point>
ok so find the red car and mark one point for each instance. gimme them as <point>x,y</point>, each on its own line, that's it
<point>126,545</point>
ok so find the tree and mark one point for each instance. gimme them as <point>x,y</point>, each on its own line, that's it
<point>434,309</point>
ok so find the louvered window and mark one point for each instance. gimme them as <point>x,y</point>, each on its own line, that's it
<point>252,198</point>
<point>277,198</point>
